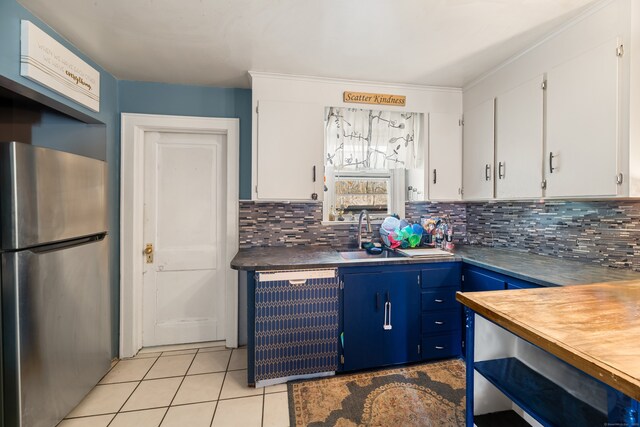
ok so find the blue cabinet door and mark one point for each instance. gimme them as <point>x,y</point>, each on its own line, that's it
<point>513,283</point>
<point>381,317</point>
<point>479,280</point>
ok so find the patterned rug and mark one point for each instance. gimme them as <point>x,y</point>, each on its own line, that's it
<point>431,394</point>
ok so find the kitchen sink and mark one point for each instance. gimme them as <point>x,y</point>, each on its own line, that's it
<point>362,254</point>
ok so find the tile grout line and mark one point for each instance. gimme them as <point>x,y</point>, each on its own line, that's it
<point>178,389</point>
<point>263,399</point>
<point>222,387</point>
<point>134,390</point>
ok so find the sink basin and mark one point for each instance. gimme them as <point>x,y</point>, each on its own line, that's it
<point>362,254</point>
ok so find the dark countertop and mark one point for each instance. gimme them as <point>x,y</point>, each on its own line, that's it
<point>287,258</point>
<point>542,270</point>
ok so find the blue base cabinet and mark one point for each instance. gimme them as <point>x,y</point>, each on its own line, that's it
<point>381,317</point>
<point>477,279</point>
<point>440,312</point>
<point>398,314</point>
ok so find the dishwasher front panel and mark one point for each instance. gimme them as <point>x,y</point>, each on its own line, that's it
<point>296,324</point>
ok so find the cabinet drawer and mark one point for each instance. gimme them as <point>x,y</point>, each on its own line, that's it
<point>441,321</point>
<point>440,299</point>
<point>441,346</point>
<point>448,276</point>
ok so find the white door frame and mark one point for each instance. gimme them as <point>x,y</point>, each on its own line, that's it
<point>133,127</point>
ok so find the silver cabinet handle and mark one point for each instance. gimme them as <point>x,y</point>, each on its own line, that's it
<point>487,172</point>
<point>438,322</point>
<point>387,316</point>
<point>551,156</point>
<point>501,165</point>
<point>439,347</point>
<point>439,301</point>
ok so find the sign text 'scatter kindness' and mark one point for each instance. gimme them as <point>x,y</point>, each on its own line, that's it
<point>374,98</point>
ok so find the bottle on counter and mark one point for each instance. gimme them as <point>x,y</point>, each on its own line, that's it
<point>448,244</point>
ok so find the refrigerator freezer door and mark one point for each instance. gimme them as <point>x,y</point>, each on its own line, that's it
<point>57,332</point>
<point>49,196</point>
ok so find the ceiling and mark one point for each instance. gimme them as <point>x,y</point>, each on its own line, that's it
<point>215,42</point>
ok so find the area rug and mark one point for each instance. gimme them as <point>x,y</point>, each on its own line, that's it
<point>431,394</point>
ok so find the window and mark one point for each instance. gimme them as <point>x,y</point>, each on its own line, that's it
<point>367,153</point>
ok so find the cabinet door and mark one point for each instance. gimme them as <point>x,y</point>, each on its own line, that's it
<point>513,283</point>
<point>290,150</point>
<point>367,343</point>
<point>582,124</point>
<point>445,157</point>
<point>519,141</point>
<point>480,281</point>
<point>477,162</point>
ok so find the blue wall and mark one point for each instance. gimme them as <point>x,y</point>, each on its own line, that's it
<point>130,97</point>
<point>10,15</point>
<point>184,100</point>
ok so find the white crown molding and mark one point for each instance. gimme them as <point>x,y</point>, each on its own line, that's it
<point>331,80</point>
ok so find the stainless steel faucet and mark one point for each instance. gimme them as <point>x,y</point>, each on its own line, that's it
<point>362,213</point>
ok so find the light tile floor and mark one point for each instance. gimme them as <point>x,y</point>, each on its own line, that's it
<point>179,386</point>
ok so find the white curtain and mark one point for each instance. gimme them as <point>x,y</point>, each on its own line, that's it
<point>372,139</point>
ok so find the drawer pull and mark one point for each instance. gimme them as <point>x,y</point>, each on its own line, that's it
<point>438,322</point>
<point>439,347</point>
<point>439,301</point>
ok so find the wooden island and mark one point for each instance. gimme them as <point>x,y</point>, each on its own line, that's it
<point>592,334</point>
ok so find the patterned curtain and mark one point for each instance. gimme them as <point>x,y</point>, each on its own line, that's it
<point>371,139</point>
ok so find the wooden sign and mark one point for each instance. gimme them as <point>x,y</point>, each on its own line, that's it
<point>49,63</point>
<point>374,98</point>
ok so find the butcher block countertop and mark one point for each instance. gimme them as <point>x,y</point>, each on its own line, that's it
<point>595,328</point>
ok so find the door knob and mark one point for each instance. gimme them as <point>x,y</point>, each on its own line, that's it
<point>148,251</point>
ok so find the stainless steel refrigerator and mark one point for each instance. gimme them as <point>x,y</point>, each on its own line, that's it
<point>55,290</point>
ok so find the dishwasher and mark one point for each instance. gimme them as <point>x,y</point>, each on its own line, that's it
<point>296,325</point>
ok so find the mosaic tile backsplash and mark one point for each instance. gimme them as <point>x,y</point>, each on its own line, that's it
<point>292,223</point>
<point>604,232</point>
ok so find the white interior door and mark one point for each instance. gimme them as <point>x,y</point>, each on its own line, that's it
<point>519,141</point>
<point>184,217</point>
<point>478,151</point>
<point>445,156</point>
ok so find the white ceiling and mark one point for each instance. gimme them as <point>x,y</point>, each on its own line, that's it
<point>215,42</point>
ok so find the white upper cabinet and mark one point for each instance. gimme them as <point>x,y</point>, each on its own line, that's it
<point>445,152</point>
<point>478,173</point>
<point>290,152</point>
<point>582,124</point>
<point>519,141</point>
